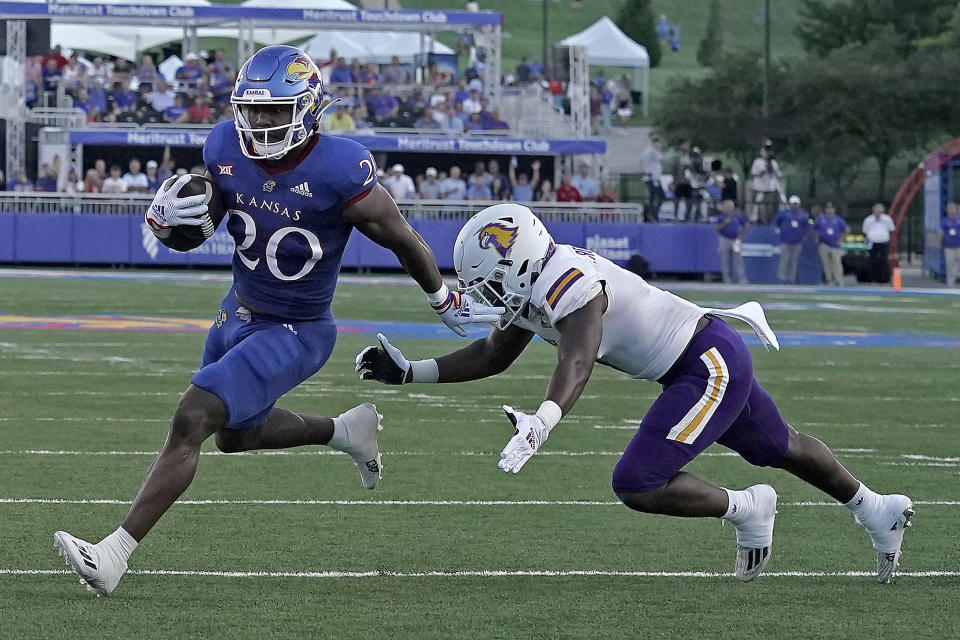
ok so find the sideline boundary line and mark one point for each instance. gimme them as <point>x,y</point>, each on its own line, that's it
<point>844,453</point>
<point>414,503</point>
<point>487,574</point>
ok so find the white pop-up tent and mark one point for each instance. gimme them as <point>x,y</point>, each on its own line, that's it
<point>370,46</point>
<point>607,45</point>
<point>127,41</point>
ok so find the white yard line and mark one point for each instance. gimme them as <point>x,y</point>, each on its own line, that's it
<point>415,503</point>
<point>486,574</point>
<point>911,459</point>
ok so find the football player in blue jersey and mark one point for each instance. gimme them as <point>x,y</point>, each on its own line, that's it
<point>293,195</point>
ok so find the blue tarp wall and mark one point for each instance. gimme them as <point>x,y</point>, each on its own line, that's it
<point>123,239</point>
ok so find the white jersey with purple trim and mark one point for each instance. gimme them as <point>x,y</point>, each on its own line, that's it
<point>645,329</point>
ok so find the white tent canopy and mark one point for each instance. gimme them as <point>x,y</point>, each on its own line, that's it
<point>607,45</point>
<point>369,46</point>
<point>127,41</point>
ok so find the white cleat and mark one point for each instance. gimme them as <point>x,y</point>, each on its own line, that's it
<point>99,569</point>
<point>886,528</point>
<point>362,425</point>
<point>755,535</point>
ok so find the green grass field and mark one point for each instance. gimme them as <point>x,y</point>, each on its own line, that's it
<point>81,413</point>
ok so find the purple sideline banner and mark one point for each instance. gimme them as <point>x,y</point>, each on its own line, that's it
<point>411,143</point>
<point>124,239</point>
<point>178,12</point>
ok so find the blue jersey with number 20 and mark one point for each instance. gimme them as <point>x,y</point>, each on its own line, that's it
<point>286,221</point>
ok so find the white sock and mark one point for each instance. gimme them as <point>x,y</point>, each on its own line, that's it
<point>121,543</point>
<point>340,437</point>
<point>740,506</point>
<point>865,502</point>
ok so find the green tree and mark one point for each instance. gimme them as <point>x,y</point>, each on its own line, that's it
<point>868,100</point>
<point>722,111</point>
<point>712,44</point>
<point>828,24</point>
<point>636,20</point>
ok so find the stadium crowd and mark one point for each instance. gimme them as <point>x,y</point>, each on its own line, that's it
<point>488,182</point>
<point>370,95</point>
<point>485,182</point>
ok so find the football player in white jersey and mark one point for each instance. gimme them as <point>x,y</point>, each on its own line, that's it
<point>594,311</point>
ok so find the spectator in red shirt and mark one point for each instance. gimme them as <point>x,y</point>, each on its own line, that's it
<point>200,111</point>
<point>566,192</point>
<point>57,57</point>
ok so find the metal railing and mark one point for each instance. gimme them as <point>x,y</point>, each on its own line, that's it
<point>548,211</point>
<point>65,117</point>
<point>11,202</point>
<point>97,203</point>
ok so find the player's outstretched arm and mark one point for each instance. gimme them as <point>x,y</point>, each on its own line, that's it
<point>377,217</point>
<point>480,359</point>
<point>580,336</point>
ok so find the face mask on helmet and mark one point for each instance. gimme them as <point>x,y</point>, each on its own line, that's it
<point>272,127</point>
<point>492,291</point>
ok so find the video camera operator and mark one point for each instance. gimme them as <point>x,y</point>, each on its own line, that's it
<point>767,189</point>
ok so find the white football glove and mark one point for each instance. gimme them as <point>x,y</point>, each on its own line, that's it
<point>384,364</point>
<point>170,210</point>
<point>529,435</point>
<point>460,308</point>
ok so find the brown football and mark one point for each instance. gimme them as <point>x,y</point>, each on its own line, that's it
<point>185,237</point>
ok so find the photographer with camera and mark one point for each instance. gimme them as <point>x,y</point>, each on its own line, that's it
<point>767,189</point>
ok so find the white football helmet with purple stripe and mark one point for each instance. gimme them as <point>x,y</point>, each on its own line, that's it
<point>499,254</point>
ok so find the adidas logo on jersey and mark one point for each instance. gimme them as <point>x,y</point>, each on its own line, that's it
<point>302,189</point>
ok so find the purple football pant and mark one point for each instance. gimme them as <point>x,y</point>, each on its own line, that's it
<point>709,395</point>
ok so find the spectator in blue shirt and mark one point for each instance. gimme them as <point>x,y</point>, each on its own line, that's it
<point>462,93</point>
<point>381,105</point>
<point>153,179</point>
<point>97,98</point>
<point>732,226</point>
<point>523,71</point>
<point>47,179</point>
<point>51,75</point>
<point>177,112</point>
<point>524,187</point>
<point>191,71</point>
<point>123,98</point>
<point>950,242</point>
<point>792,224</point>
<point>453,187</point>
<point>587,185</point>
<point>663,27</point>
<point>479,192</point>
<point>831,230</point>
<point>21,183</point>
<point>341,73</point>
<point>82,101</point>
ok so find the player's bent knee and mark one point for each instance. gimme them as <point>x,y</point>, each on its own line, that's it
<point>633,480</point>
<point>199,414</point>
<point>231,441</point>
